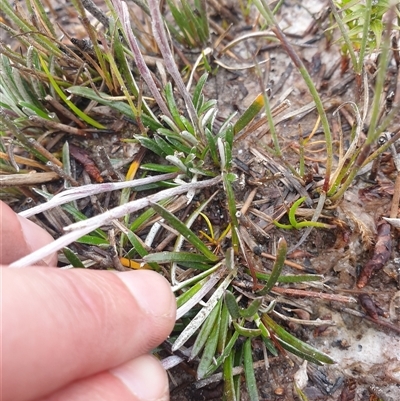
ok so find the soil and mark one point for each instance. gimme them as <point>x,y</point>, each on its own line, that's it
<point>366,350</point>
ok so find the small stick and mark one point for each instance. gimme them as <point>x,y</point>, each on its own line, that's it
<point>312,294</point>
<point>286,262</point>
<point>381,255</point>
<point>44,152</point>
<point>59,107</point>
<point>58,170</point>
<point>16,180</point>
<point>42,122</point>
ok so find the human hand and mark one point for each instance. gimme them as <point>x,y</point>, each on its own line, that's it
<point>72,335</point>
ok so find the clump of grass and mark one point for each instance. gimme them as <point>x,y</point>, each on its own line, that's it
<point>55,89</point>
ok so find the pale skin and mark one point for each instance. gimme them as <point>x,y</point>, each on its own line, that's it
<point>78,335</point>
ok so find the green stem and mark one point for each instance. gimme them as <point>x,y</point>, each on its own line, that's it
<point>373,132</point>
<point>346,38</point>
<point>266,12</point>
<point>364,39</point>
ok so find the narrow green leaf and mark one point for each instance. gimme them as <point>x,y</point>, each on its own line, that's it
<point>151,144</point>
<point>102,98</point>
<point>184,297</point>
<point>244,331</point>
<point>225,354</point>
<point>169,96</point>
<point>238,361</point>
<point>68,102</point>
<point>260,325</point>
<point>146,216</point>
<point>249,114</point>
<point>211,142</point>
<point>277,268</point>
<point>177,257</point>
<point>107,100</point>
<point>188,125</point>
<point>159,168</point>
<point>35,110</point>
<point>229,388</point>
<point>296,346</point>
<point>231,304</point>
<point>39,9</point>
<point>184,231</point>
<point>249,371</point>
<point>252,309</point>
<point>198,91</point>
<point>232,210</point>
<point>72,258</point>
<point>210,346</point>
<point>223,333</point>
<point>123,65</point>
<point>270,346</point>
<point>205,331</point>
<point>164,145</point>
<point>92,240</point>
<point>139,248</point>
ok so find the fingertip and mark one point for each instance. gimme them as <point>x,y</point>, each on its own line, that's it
<point>35,238</point>
<point>152,291</point>
<point>19,237</point>
<point>145,378</point>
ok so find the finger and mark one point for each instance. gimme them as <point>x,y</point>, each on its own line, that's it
<point>63,325</point>
<point>19,237</point>
<point>143,379</point>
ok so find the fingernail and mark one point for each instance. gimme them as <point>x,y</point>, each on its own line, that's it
<point>35,238</point>
<point>145,378</point>
<point>152,291</point>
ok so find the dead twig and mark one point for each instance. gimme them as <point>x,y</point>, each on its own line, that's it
<point>382,250</point>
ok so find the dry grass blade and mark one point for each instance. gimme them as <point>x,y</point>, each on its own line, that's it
<point>92,189</point>
<point>79,229</point>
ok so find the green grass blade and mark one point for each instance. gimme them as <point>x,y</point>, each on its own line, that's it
<point>186,232</point>
<point>92,240</point>
<point>249,371</point>
<point>210,346</point>
<point>277,268</point>
<point>249,114</point>
<point>177,257</point>
<point>245,332</point>
<point>199,319</point>
<point>252,309</point>
<point>223,333</point>
<point>232,305</point>
<point>107,100</point>
<point>184,297</point>
<point>227,178</point>
<point>169,96</point>
<point>198,91</point>
<point>229,388</point>
<point>225,354</point>
<point>62,95</point>
<point>300,347</point>
<point>72,258</point>
<point>205,331</point>
<point>159,168</point>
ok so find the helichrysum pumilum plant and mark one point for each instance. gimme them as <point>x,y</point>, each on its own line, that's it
<point>48,88</point>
